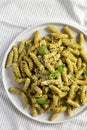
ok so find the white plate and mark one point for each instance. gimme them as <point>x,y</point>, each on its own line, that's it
<point>9,81</point>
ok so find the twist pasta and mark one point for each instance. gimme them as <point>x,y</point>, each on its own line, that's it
<point>21,46</point>
<point>15,90</point>
<point>68,31</point>
<point>16,70</point>
<point>81,39</point>
<point>69,64</point>
<point>22,54</point>
<point>37,62</point>
<point>83,94</point>
<point>25,68</point>
<point>26,85</point>
<point>48,82</point>
<point>83,55</point>
<point>52,29</point>
<point>36,37</point>
<point>59,36</point>
<point>15,53</point>
<point>34,112</point>
<point>9,60</point>
<point>49,67</point>
<point>20,80</point>
<point>29,61</point>
<point>56,45</point>
<point>79,63</point>
<point>26,100</point>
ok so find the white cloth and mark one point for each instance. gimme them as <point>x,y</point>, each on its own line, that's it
<point>15,16</point>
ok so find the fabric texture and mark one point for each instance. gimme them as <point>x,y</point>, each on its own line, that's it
<point>15,17</point>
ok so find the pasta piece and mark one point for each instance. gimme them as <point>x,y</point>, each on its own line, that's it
<point>69,110</point>
<point>21,66</point>
<point>36,37</point>
<point>84,57</point>
<point>26,85</point>
<point>43,42</point>
<point>15,90</point>
<point>59,36</point>
<point>68,31</point>
<point>55,102</point>
<point>36,61</point>
<point>81,39</point>
<point>64,77</point>
<point>46,105</point>
<point>16,70</point>
<point>29,41</point>
<point>59,110</point>
<point>63,94</point>
<point>72,103</point>
<point>59,62</point>
<point>26,100</point>
<point>34,78</point>
<point>69,64</point>
<point>15,53</point>
<point>49,67</point>
<point>81,82</point>
<point>40,109</point>
<point>37,90</point>
<point>53,116</point>
<point>69,55</point>
<point>25,68</point>
<point>22,54</point>
<point>34,112</point>
<point>48,82</point>
<point>58,44</point>
<point>75,69</point>
<point>20,80</point>
<point>79,72</point>
<point>29,61</point>
<point>56,57</point>
<point>33,48</point>
<point>73,90</point>
<point>71,44</point>
<point>9,59</point>
<point>75,52</point>
<point>21,46</point>
<point>83,94</point>
<point>55,89</point>
<point>53,29</point>
<point>65,88</point>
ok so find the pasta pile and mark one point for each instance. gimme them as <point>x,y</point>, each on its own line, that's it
<point>52,71</point>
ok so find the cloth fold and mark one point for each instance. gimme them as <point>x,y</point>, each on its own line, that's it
<point>15,17</point>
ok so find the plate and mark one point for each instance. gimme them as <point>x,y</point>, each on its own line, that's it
<point>8,79</point>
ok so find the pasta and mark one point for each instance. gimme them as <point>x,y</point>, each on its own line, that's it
<point>52,72</point>
<point>36,37</point>
<point>16,70</point>
<point>15,53</point>
<point>9,59</point>
<point>26,85</point>
<point>68,31</point>
<point>26,100</point>
<point>53,29</point>
<point>21,46</point>
<point>81,39</point>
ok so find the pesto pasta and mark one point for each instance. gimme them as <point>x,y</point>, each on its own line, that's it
<point>51,70</point>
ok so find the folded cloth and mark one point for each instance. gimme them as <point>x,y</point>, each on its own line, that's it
<point>16,16</point>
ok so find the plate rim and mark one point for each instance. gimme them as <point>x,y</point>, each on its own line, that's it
<point>4,60</point>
